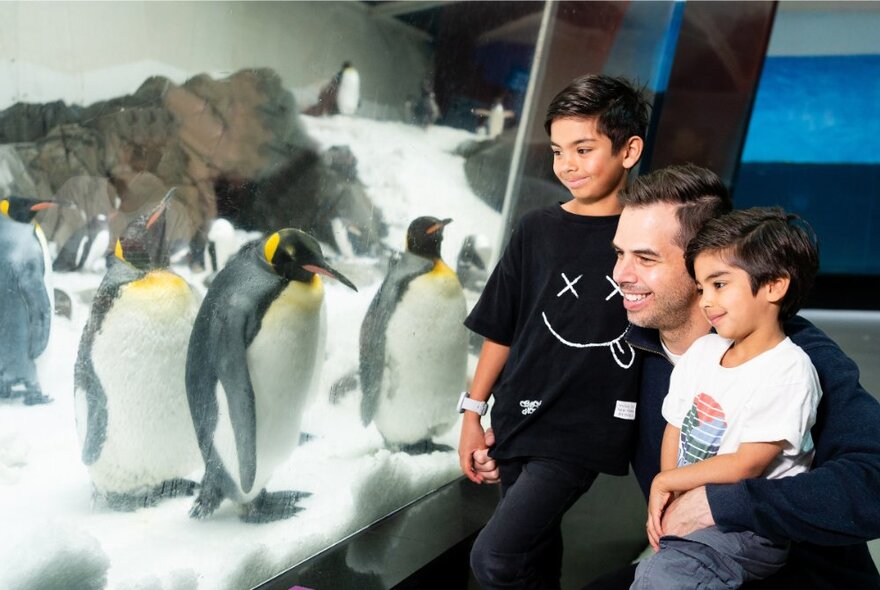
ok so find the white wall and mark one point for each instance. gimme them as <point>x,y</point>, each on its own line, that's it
<point>81,52</point>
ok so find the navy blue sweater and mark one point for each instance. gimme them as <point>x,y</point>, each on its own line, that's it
<point>829,512</point>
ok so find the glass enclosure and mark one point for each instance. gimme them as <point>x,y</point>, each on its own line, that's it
<point>192,397</point>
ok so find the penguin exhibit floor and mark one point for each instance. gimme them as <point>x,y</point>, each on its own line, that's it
<point>55,535</point>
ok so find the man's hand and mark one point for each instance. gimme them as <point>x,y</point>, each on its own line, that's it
<point>483,463</point>
<point>689,512</point>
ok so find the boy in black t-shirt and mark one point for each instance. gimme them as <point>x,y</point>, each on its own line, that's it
<point>564,380</point>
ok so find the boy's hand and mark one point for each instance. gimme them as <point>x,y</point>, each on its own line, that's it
<point>471,440</point>
<point>657,502</point>
<point>484,464</point>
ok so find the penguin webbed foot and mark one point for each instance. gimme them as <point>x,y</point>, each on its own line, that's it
<point>272,506</point>
<point>33,396</point>
<point>205,503</point>
<point>175,488</point>
<point>129,502</point>
<point>422,447</point>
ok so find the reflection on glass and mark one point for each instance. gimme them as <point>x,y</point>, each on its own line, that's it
<point>220,408</point>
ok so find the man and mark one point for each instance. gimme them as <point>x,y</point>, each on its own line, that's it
<point>827,513</point>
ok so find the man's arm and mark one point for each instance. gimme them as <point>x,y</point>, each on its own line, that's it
<point>492,358</point>
<point>833,504</point>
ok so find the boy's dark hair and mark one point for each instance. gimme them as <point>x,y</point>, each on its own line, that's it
<point>768,244</point>
<point>699,193</point>
<point>621,111</point>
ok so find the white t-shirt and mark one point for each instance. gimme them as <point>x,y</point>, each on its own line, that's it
<point>769,398</point>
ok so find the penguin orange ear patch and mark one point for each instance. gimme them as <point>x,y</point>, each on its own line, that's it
<point>118,250</point>
<point>271,246</point>
<point>4,207</point>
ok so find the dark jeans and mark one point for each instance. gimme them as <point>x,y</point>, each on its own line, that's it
<point>521,545</point>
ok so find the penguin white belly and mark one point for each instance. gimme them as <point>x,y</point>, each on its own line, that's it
<point>283,361</point>
<point>425,360</point>
<point>348,94</point>
<point>139,356</point>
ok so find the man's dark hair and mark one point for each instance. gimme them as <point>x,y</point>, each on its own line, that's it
<point>620,110</point>
<point>697,191</point>
<point>768,244</point>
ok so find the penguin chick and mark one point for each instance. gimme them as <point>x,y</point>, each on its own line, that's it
<point>254,355</point>
<point>27,308</point>
<point>413,344</point>
<point>129,379</point>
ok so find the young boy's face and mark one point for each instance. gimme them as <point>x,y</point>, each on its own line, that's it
<point>727,301</point>
<point>584,161</point>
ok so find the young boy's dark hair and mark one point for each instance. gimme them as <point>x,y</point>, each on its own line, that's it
<point>699,193</point>
<point>768,244</point>
<point>621,111</point>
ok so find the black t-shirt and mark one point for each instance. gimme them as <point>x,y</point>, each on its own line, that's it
<point>570,384</point>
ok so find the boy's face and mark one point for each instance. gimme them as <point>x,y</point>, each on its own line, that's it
<point>727,301</point>
<point>584,162</point>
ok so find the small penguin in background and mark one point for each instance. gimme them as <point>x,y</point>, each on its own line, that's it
<point>413,345</point>
<point>425,111</point>
<point>348,94</point>
<point>85,247</point>
<point>27,309</point>
<point>495,117</point>
<point>132,414</point>
<point>253,358</point>
<point>472,263</point>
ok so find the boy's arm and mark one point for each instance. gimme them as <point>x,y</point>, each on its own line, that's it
<point>658,500</point>
<point>493,356</point>
<point>835,503</point>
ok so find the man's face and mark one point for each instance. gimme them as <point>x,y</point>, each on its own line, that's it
<point>657,290</point>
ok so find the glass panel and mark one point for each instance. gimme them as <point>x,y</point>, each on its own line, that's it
<point>170,135</point>
<point>813,144</point>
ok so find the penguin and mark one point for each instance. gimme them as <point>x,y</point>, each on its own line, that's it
<point>413,345</point>
<point>472,263</point>
<point>27,307</point>
<point>25,210</point>
<point>495,117</point>
<point>132,415</point>
<point>348,93</point>
<point>254,355</point>
<point>425,110</point>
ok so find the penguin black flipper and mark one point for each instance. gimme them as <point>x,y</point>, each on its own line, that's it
<point>402,269</point>
<point>85,378</point>
<point>229,323</point>
<point>33,291</point>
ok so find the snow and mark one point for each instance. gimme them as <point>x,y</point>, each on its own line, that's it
<point>53,530</point>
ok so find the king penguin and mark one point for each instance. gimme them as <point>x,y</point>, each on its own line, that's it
<point>348,94</point>
<point>129,379</point>
<point>254,354</point>
<point>413,345</point>
<point>27,308</point>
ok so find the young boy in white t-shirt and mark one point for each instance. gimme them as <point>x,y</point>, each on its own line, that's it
<point>741,400</point>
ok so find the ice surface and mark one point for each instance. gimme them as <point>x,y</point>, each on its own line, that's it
<point>52,527</point>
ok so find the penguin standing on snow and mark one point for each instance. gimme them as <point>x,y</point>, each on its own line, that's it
<point>129,380</point>
<point>348,93</point>
<point>255,351</point>
<point>413,344</point>
<point>27,309</point>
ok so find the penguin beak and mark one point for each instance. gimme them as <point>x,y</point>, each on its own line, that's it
<point>438,226</point>
<point>328,271</point>
<point>160,208</point>
<point>43,206</point>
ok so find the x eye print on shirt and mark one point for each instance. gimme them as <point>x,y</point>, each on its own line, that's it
<point>624,357</point>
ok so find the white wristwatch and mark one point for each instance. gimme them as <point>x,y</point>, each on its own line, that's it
<point>466,403</point>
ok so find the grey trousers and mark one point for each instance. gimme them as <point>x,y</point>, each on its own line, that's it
<point>710,559</point>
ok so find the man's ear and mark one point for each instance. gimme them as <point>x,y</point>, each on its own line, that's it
<point>632,151</point>
<point>777,288</point>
